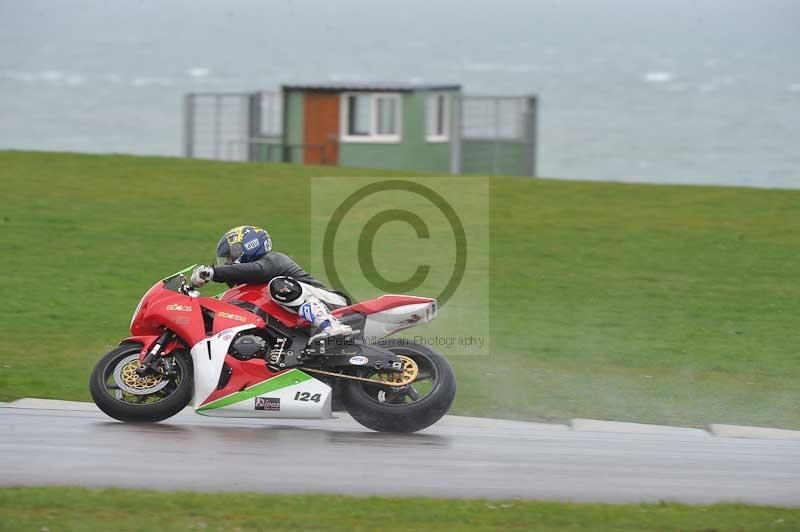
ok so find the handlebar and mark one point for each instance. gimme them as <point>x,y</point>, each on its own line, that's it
<point>187,288</point>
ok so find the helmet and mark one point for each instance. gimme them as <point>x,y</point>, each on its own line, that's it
<point>243,244</point>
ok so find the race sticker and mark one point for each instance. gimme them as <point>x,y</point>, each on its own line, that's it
<point>272,404</point>
<point>179,308</point>
<point>231,316</point>
<point>359,360</point>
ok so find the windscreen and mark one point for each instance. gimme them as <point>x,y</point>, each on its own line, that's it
<point>175,281</point>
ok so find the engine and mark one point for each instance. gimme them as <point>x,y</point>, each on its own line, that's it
<point>248,346</point>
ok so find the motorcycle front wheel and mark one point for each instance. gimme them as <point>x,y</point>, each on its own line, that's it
<point>408,408</point>
<point>122,394</point>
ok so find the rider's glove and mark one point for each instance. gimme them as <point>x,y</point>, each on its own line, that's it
<point>201,275</point>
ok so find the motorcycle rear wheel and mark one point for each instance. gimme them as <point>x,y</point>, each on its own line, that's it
<point>117,392</point>
<point>405,409</point>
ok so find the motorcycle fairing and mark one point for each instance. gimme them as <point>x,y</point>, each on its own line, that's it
<point>257,295</point>
<point>227,315</point>
<point>290,394</point>
<point>253,390</point>
<point>208,356</point>
<point>388,314</point>
<point>183,314</point>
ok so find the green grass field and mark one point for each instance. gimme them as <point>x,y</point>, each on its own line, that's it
<point>662,304</point>
<point>42,509</point>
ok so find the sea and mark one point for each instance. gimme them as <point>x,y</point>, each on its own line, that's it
<point>654,91</point>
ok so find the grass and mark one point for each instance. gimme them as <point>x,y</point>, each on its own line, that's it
<point>662,304</point>
<point>56,508</point>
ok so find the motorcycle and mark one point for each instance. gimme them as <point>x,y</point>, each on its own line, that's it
<point>242,355</point>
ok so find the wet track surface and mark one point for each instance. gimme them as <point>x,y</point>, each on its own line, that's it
<point>459,457</point>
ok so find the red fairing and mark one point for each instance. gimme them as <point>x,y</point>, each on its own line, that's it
<point>258,294</point>
<point>146,341</point>
<point>183,315</point>
<point>379,304</point>
<point>179,313</point>
<point>227,315</point>
<point>244,373</point>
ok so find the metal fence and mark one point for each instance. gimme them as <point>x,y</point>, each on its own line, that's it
<point>496,134</point>
<point>213,120</point>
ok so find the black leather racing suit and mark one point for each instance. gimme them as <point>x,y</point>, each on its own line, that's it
<point>271,265</point>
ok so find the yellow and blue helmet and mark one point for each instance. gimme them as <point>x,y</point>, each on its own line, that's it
<point>246,243</point>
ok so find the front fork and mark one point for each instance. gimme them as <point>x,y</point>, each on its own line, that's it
<point>150,362</point>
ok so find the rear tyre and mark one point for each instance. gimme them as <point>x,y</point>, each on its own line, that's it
<point>409,408</point>
<point>117,392</point>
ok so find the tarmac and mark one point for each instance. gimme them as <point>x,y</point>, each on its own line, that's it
<point>47,442</point>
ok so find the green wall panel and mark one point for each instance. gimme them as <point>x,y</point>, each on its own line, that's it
<point>412,153</point>
<point>293,124</point>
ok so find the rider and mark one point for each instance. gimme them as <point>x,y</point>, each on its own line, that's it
<point>245,256</point>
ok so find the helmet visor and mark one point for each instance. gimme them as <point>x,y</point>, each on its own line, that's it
<point>234,255</point>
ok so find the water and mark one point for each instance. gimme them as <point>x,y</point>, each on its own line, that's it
<point>670,91</point>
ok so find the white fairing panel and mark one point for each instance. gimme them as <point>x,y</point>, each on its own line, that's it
<point>292,394</point>
<point>382,324</point>
<point>208,356</point>
<point>309,399</point>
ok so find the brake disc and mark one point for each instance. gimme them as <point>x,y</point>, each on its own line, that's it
<point>129,381</point>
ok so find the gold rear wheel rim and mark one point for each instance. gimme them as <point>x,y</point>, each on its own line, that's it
<point>401,378</point>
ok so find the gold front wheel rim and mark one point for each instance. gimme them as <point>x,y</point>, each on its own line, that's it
<point>127,380</point>
<point>132,379</point>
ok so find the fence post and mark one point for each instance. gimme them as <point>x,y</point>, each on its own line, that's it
<point>217,123</point>
<point>531,122</point>
<point>253,126</point>
<point>188,125</point>
<point>455,134</point>
<point>496,144</point>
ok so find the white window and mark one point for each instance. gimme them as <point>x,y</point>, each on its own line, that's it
<point>437,117</point>
<point>371,117</point>
<point>359,115</point>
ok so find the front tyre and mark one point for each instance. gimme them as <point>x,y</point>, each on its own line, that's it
<point>123,395</point>
<point>408,408</point>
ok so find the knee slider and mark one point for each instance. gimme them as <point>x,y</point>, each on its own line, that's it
<point>285,290</point>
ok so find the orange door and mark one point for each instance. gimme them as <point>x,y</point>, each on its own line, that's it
<point>321,128</point>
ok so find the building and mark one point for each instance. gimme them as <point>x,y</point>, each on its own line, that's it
<point>413,127</point>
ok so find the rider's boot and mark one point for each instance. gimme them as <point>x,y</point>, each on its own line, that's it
<point>317,313</point>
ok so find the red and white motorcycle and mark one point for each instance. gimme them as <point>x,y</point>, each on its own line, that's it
<point>242,355</point>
